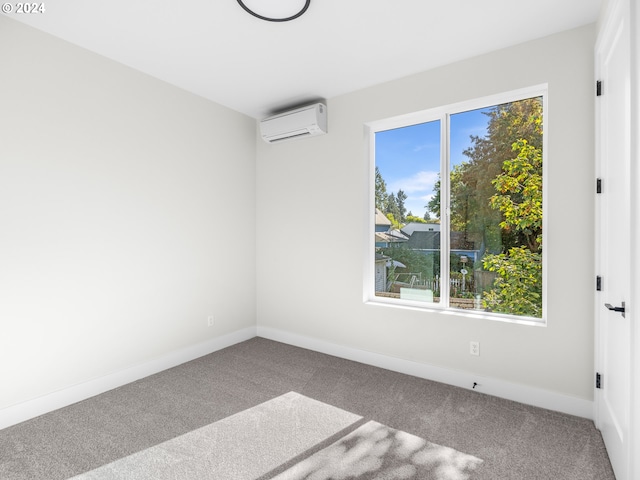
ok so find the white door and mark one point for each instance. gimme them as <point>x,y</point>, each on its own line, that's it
<point>613,330</point>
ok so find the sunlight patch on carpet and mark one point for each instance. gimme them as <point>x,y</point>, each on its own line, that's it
<point>316,440</point>
<point>377,452</point>
<point>243,446</point>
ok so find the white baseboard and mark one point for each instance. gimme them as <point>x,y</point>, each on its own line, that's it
<point>531,396</point>
<point>492,386</point>
<point>38,406</point>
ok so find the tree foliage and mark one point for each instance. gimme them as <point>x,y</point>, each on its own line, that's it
<point>496,203</point>
<point>390,203</point>
<point>414,219</point>
<point>471,182</point>
<point>518,288</point>
<point>519,194</point>
<point>402,210</point>
<point>433,205</point>
<point>395,224</point>
<point>381,191</point>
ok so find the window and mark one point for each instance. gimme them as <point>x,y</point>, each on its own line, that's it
<point>471,238</point>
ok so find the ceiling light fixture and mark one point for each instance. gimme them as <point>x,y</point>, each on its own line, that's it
<point>271,19</point>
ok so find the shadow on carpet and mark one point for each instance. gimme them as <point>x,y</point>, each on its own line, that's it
<point>292,437</point>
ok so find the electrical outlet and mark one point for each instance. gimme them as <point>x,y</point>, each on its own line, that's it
<point>474,348</point>
<point>210,321</point>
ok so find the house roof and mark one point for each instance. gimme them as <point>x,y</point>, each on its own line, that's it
<point>424,241</point>
<point>409,228</point>
<point>381,218</point>
<point>391,236</point>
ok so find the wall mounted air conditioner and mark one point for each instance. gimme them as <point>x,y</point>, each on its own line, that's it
<point>301,122</point>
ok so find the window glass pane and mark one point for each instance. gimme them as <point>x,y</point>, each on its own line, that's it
<point>407,233</point>
<point>496,209</point>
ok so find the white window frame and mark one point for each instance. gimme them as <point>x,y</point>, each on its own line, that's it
<point>443,114</point>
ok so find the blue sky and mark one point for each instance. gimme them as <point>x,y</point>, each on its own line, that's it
<point>409,158</point>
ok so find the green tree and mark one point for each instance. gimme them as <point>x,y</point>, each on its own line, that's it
<point>518,288</point>
<point>518,197</point>
<point>434,203</point>
<point>414,219</point>
<point>472,184</point>
<point>496,201</point>
<point>395,224</point>
<point>519,194</point>
<point>402,210</point>
<point>381,191</point>
<point>391,207</point>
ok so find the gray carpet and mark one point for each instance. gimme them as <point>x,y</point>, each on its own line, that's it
<point>272,433</point>
<point>382,453</point>
<point>514,441</point>
<point>291,430</point>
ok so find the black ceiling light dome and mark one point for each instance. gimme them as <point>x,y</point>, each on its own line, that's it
<point>270,19</point>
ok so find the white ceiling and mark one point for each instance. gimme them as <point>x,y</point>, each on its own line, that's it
<point>215,49</point>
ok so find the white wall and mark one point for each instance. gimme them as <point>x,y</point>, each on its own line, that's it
<point>127,216</point>
<point>311,201</point>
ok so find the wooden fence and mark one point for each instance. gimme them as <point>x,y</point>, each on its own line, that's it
<point>463,303</point>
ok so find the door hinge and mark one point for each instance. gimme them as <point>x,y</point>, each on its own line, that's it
<point>598,185</point>
<point>598,380</point>
<point>598,88</point>
<point>599,283</point>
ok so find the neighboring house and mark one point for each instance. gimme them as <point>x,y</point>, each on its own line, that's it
<point>382,222</point>
<point>429,242</point>
<point>424,241</point>
<point>409,228</point>
<point>385,235</point>
<point>381,272</point>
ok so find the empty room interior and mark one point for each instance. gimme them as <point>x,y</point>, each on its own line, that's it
<point>320,240</point>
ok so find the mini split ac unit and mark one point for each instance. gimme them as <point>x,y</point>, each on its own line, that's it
<point>306,121</point>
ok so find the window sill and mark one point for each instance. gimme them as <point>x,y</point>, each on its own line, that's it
<point>457,312</point>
